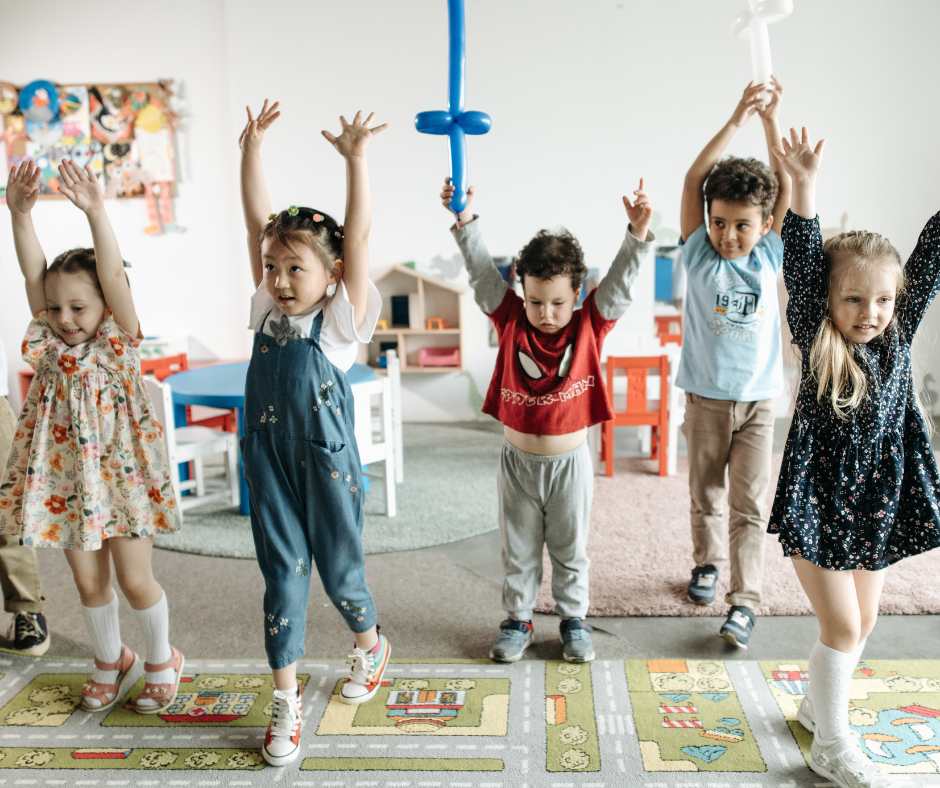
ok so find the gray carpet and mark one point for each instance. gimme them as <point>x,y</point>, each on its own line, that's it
<point>447,496</point>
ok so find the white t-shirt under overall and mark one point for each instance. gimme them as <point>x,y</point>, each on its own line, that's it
<point>338,334</point>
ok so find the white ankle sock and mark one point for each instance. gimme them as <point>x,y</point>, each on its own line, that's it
<point>154,625</point>
<point>104,628</point>
<point>829,684</point>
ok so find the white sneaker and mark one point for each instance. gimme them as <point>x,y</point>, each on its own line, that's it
<point>365,675</point>
<point>844,764</point>
<point>282,742</point>
<point>804,714</point>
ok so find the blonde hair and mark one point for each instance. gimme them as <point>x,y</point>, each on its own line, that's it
<point>839,377</point>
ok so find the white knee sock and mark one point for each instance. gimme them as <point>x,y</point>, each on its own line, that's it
<point>829,684</point>
<point>154,624</point>
<point>104,629</point>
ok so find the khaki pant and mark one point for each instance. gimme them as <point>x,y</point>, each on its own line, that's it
<point>19,570</point>
<point>738,436</point>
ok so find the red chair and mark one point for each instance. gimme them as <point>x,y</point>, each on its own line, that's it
<point>669,329</point>
<point>635,411</point>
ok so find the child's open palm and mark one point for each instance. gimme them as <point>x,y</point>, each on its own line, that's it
<point>800,159</point>
<point>253,133</point>
<point>23,187</point>
<point>355,137</point>
<point>80,186</point>
<point>640,211</point>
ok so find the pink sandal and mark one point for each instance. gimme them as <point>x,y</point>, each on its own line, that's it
<point>100,692</point>
<point>164,694</point>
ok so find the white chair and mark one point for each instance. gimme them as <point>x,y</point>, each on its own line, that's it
<point>394,379</point>
<point>376,435</point>
<point>192,444</point>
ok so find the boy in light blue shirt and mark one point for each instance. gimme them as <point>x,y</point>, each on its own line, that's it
<point>730,367</point>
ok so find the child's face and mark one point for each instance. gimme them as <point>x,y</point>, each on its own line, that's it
<point>734,228</point>
<point>75,306</point>
<point>294,276</point>
<point>861,301</point>
<point>549,303</point>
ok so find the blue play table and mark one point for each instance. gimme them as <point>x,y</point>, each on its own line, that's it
<point>223,386</point>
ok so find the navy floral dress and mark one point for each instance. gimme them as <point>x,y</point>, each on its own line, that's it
<point>860,493</point>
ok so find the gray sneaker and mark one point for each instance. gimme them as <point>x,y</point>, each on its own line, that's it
<point>514,638</point>
<point>703,585</point>
<point>576,638</point>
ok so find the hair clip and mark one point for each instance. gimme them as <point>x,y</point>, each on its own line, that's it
<point>293,210</point>
<point>317,217</point>
<point>272,216</point>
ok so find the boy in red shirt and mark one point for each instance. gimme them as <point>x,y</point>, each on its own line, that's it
<point>547,389</point>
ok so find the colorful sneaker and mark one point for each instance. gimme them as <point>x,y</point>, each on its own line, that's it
<point>515,637</point>
<point>844,764</point>
<point>576,638</point>
<point>737,629</point>
<point>30,635</point>
<point>703,585</point>
<point>282,741</point>
<point>365,675</point>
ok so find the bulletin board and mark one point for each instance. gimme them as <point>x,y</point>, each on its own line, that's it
<point>124,131</point>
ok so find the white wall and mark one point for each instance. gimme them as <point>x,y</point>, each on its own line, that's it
<point>585,98</point>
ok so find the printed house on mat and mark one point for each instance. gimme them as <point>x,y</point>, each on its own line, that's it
<point>428,298</point>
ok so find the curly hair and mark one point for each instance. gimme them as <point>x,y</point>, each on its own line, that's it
<point>549,255</point>
<point>308,227</point>
<point>80,261</point>
<point>747,181</point>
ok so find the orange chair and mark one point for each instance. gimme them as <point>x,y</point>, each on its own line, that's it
<point>669,329</point>
<point>635,412</point>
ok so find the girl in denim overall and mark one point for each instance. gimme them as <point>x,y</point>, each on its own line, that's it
<point>314,302</point>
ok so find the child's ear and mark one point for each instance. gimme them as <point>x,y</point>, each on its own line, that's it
<point>337,271</point>
<point>767,225</point>
<point>577,293</point>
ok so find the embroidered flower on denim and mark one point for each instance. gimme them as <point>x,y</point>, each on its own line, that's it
<point>301,567</point>
<point>264,417</point>
<point>334,475</point>
<point>270,617</point>
<point>353,489</point>
<point>347,478</point>
<point>272,630</point>
<point>283,622</point>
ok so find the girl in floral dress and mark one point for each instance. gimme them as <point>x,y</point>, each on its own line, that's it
<point>88,463</point>
<point>859,485</point>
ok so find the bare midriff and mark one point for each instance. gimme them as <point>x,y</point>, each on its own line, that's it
<point>545,445</point>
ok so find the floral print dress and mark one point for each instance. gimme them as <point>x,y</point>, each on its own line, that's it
<point>860,493</point>
<point>88,460</point>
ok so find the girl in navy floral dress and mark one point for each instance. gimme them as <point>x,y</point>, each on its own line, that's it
<point>859,486</point>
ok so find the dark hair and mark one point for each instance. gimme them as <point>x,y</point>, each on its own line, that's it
<point>314,229</point>
<point>746,181</point>
<point>552,254</point>
<point>80,261</point>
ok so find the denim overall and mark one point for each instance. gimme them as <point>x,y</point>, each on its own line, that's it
<point>305,487</point>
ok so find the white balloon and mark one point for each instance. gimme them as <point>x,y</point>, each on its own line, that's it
<point>752,24</point>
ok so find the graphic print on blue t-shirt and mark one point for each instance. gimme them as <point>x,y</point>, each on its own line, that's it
<point>731,335</point>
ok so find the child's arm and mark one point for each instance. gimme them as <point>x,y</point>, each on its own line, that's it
<point>804,268</point>
<point>255,202</point>
<point>489,287</point>
<point>83,190</point>
<point>923,276</point>
<point>769,115</point>
<point>22,191</point>
<point>352,144</point>
<point>614,292</point>
<point>693,200</point>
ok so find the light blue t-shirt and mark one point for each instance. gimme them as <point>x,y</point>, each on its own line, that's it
<point>731,336</point>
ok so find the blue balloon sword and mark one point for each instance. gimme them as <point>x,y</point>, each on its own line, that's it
<point>456,123</point>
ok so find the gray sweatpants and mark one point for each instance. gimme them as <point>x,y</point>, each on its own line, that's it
<point>545,500</point>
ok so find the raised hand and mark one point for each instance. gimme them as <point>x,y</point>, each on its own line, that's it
<point>467,215</point>
<point>747,106</point>
<point>640,212</point>
<point>355,137</point>
<point>770,111</point>
<point>80,186</point>
<point>798,157</point>
<point>23,187</point>
<point>253,133</point>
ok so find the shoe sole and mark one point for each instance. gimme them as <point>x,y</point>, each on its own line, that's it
<point>158,709</point>
<point>819,769</point>
<point>280,760</point>
<point>35,651</point>
<point>587,658</point>
<point>701,602</point>
<point>378,683</point>
<point>507,660</point>
<point>729,636</point>
<point>123,687</point>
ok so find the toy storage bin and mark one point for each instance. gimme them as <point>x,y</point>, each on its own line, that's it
<point>439,357</point>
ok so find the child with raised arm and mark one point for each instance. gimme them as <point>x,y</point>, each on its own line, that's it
<point>88,471</point>
<point>859,487</point>
<point>547,389</point>
<point>732,213</point>
<point>313,304</point>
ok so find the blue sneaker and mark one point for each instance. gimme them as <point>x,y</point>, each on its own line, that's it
<point>737,629</point>
<point>514,638</point>
<point>703,585</point>
<point>576,639</point>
